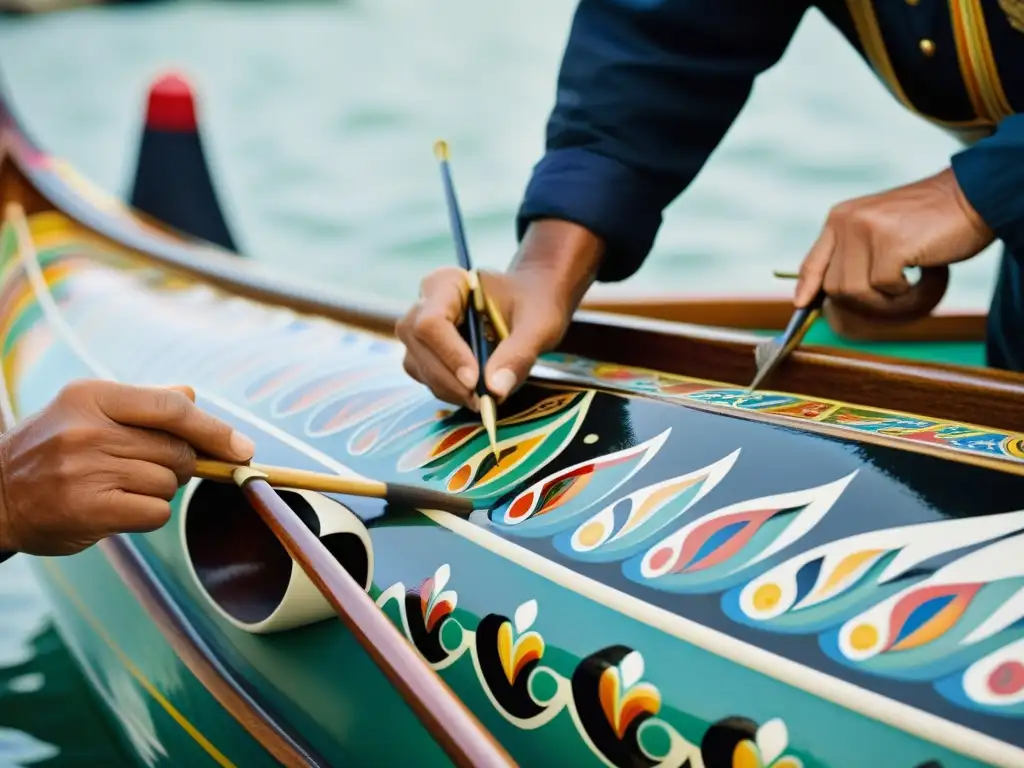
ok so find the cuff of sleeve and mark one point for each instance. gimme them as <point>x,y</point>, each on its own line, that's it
<point>616,203</point>
<point>991,175</point>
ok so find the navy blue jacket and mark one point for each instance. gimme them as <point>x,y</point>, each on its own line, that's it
<point>648,88</point>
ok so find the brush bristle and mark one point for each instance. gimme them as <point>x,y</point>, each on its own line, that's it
<point>441,149</point>
<point>423,498</point>
<point>764,352</point>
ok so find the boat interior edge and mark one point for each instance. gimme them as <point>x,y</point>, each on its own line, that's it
<point>981,396</point>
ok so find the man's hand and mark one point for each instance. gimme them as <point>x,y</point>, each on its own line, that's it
<point>867,243</point>
<point>436,354</point>
<point>555,265</point>
<point>103,458</point>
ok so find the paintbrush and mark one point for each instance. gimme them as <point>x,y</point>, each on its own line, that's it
<point>769,354</point>
<point>477,306</point>
<point>285,477</point>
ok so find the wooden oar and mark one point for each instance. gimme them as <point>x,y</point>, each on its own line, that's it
<point>456,730</point>
<point>284,477</point>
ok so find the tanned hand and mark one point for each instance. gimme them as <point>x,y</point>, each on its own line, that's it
<point>103,458</point>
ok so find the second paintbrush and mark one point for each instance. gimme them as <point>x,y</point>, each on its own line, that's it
<point>475,307</point>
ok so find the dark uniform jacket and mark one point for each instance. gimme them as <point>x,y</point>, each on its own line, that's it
<point>648,88</point>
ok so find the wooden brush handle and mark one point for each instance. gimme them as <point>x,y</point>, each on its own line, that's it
<point>284,477</point>
<point>456,730</point>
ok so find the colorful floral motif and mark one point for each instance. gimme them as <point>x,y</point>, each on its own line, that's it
<point>994,684</point>
<point>457,457</point>
<point>549,504</point>
<point>825,585</point>
<point>716,550</point>
<point>620,527</point>
<point>963,438</point>
<point>942,623</point>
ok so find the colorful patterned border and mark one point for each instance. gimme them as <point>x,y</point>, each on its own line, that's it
<point>963,438</point>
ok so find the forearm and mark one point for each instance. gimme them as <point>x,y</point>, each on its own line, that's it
<point>645,94</point>
<point>564,255</point>
<point>991,175</point>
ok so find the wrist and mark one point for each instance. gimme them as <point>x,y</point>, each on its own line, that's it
<point>977,224</point>
<point>560,258</point>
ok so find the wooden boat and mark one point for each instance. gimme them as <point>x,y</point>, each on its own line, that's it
<point>662,570</point>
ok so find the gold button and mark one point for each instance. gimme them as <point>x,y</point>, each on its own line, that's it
<point>927,47</point>
<point>913,2</point>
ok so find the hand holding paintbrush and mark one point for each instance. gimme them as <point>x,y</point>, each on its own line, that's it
<point>478,305</point>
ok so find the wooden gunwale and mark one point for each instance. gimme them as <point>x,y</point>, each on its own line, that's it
<point>984,396</point>
<point>772,313</point>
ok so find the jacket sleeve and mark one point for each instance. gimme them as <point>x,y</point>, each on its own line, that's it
<point>647,89</point>
<point>991,175</point>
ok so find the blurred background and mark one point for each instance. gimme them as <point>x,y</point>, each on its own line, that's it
<point>319,118</point>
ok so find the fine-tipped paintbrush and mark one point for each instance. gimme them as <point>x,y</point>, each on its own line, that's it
<point>477,304</point>
<point>285,477</point>
<point>769,354</point>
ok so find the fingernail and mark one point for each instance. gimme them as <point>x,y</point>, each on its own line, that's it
<point>466,377</point>
<point>502,382</point>
<point>242,446</point>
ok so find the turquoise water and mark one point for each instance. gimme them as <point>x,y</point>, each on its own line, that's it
<point>319,119</point>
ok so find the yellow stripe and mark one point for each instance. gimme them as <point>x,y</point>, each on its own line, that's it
<point>978,66</point>
<point>97,627</point>
<point>865,22</point>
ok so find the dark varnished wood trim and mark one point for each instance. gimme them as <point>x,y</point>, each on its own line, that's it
<point>230,691</point>
<point>980,396</point>
<point>756,313</point>
<point>456,730</point>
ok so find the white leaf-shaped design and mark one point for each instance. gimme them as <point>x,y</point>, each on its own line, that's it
<point>772,739</point>
<point>632,667</point>
<point>526,614</point>
<point>441,576</point>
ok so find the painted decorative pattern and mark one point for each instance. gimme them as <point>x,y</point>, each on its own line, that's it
<point>979,441</point>
<point>763,539</point>
<point>615,710</point>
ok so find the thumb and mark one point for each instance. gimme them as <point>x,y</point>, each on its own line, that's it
<point>510,365</point>
<point>814,267</point>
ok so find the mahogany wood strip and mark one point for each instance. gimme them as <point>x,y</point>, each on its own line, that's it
<point>756,313</point>
<point>230,691</point>
<point>956,393</point>
<point>448,720</point>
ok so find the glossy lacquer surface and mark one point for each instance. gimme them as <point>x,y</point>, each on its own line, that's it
<point>643,583</point>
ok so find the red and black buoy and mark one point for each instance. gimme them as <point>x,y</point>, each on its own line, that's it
<point>173,183</point>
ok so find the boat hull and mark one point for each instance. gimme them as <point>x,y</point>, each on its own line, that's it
<point>611,602</point>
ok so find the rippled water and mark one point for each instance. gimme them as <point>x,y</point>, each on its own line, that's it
<point>319,118</point>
